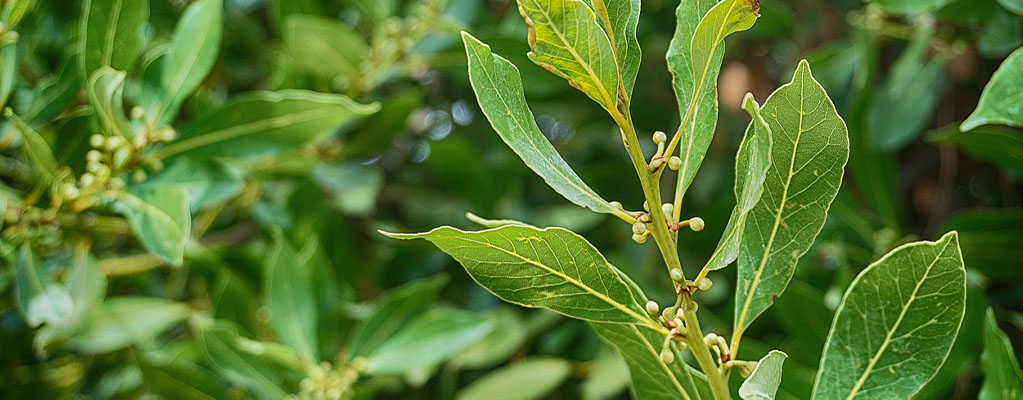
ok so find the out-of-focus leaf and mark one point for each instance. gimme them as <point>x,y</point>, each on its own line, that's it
<point>1002,99</point>
<point>8,71</point>
<point>181,379</point>
<point>36,149</point>
<point>86,285</point>
<point>809,149</point>
<point>1001,35</point>
<point>394,311</point>
<point>53,93</point>
<point>218,343</point>
<point>289,297</point>
<point>509,335</point>
<point>39,299</point>
<point>125,321</point>
<point>694,59</point>
<point>111,34</point>
<point>280,10</point>
<point>763,383</point>
<point>651,378</point>
<point>1002,376</point>
<point>532,379</point>
<point>910,302</point>
<point>207,182</point>
<point>608,377</point>
<point>1012,5</point>
<point>325,47</point>
<point>426,341</point>
<point>998,145</point>
<point>619,20</point>
<point>353,187</point>
<point>376,10</point>
<point>566,40</point>
<point>380,129</point>
<point>15,10</point>
<point>550,268</point>
<point>105,91</point>
<point>193,50</point>
<point>498,88</point>
<point>751,164</point>
<point>266,123</point>
<point>234,300</point>
<point>905,102</point>
<point>159,217</point>
<point>909,7</point>
<point>991,238</point>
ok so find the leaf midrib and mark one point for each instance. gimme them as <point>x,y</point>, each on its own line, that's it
<point>895,326</point>
<point>108,40</point>
<point>243,129</point>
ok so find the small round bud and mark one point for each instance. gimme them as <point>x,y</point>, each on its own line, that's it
<point>139,176</point>
<point>660,137</point>
<point>87,179</point>
<point>644,217</point>
<point>639,238</point>
<point>639,228</point>
<point>680,346</point>
<point>93,156</point>
<point>166,134</point>
<point>140,141</point>
<point>616,205</point>
<point>667,208</point>
<point>676,274</point>
<point>97,140</point>
<point>681,314</point>
<point>93,166</point>
<point>121,157</point>
<point>156,164</point>
<point>652,308</point>
<point>674,163</point>
<point>669,312</point>
<point>70,191</point>
<point>113,143</point>
<point>667,356</point>
<point>138,112</point>
<point>704,283</point>
<point>116,182</point>
<point>696,224</point>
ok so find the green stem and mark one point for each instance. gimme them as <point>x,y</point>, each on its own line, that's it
<point>694,338</point>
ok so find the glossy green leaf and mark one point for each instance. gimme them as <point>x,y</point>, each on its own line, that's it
<point>8,71</point>
<point>265,123</point>
<point>694,59</point>
<point>998,145</point>
<point>567,40</point>
<point>896,323</point>
<point>1002,376</point>
<point>193,50</point>
<point>498,88</point>
<point>550,268</point>
<point>426,341</point>
<point>393,311</point>
<point>993,237</point>
<point>904,104</point>
<point>218,343</point>
<point>619,19</point>
<point>763,383</point>
<point>325,47</point>
<point>160,218</point>
<point>532,379</point>
<point>809,149</point>
<point>287,288</point>
<point>36,149</point>
<point>111,34</point>
<point>126,321</point>
<point>40,300</point>
<point>105,90</point>
<point>1002,99</point>
<point>751,164</point>
<point>651,378</point>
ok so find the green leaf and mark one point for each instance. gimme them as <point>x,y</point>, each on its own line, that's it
<point>376,10</point>
<point>607,378</point>
<point>111,34</point>
<point>207,182</point>
<point>909,7</point>
<point>904,104</point>
<point>393,311</point>
<point>325,47</point>
<point>15,10</point>
<point>566,40</point>
<point>498,88</point>
<point>694,58</point>
<point>39,299</point>
<point>426,341</point>
<point>353,187</point>
<point>125,321</point>
<point>86,285</point>
<point>896,323</point>
<point>105,91</point>
<point>1002,376</point>
<point>998,145</point>
<point>36,149</point>
<point>159,217</point>
<point>266,123</point>
<point>280,10</point>
<point>193,50</point>
<point>53,93</point>
<point>809,149</point>
<point>1002,99</point>
<point>174,378</point>
<point>550,268</point>
<point>751,164</point>
<point>499,345</point>
<point>218,342</point>
<point>619,19</point>
<point>8,71</point>
<point>1012,5</point>
<point>651,378</point>
<point>532,379</point>
<point>287,288</point>
<point>763,383</point>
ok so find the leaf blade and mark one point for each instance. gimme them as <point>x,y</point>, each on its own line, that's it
<point>193,51</point>
<point>651,378</point>
<point>110,24</point>
<point>160,218</point>
<point>1002,376</point>
<point>1000,102</point>
<point>763,382</point>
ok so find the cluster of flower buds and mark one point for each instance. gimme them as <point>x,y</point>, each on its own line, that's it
<point>114,156</point>
<point>720,347</point>
<point>323,382</point>
<point>658,159</point>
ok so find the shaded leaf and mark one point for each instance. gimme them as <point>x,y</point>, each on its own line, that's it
<point>1002,99</point>
<point>325,47</point>
<point>105,90</point>
<point>619,20</point>
<point>181,379</point>
<point>287,288</point>
<point>651,378</point>
<point>218,344</point>
<point>896,323</point>
<point>998,145</point>
<point>909,7</point>
<point>394,311</point>
<point>763,383</point>
<point>509,335</point>
<point>8,71</point>
<point>40,300</point>
<point>111,34</point>
<point>36,149</point>
<point>193,50</point>
<point>207,182</point>
<point>426,341</point>
<point>126,321</point>
<point>159,217</point>
<point>353,187</point>
<point>608,377</point>
<point>1002,376</point>
<point>532,379</point>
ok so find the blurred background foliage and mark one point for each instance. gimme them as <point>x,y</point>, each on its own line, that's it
<point>286,288</point>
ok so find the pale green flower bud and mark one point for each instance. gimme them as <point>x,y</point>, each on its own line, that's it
<point>676,274</point>
<point>97,140</point>
<point>667,357</point>
<point>696,224</point>
<point>652,308</point>
<point>674,163</point>
<point>704,283</point>
<point>639,238</point>
<point>639,228</point>
<point>660,137</point>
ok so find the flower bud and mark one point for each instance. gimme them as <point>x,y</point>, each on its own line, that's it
<point>660,137</point>
<point>93,156</point>
<point>646,206</point>
<point>667,356</point>
<point>710,339</point>
<point>138,112</point>
<point>674,163</point>
<point>116,182</point>
<point>669,313</point>
<point>696,224</point>
<point>616,205</point>
<point>140,141</point>
<point>70,191</point>
<point>681,314</point>
<point>677,321</point>
<point>87,179</point>
<point>156,164</point>
<point>166,134</point>
<point>652,308</point>
<point>667,208</point>
<point>723,344</point>
<point>139,176</point>
<point>644,218</point>
<point>704,283</point>
<point>639,238</point>
<point>639,228</point>
<point>113,143</point>
<point>97,140</point>
<point>676,274</point>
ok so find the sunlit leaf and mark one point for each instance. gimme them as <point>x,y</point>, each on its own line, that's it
<point>160,218</point>
<point>1002,99</point>
<point>532,379</point>
<point>763,383</point>
<point>608,377</point>
<point>499,344</point>
<point>36,149</point>
<point>896,323</point>
<point>619,19</point>
<point>111,34</point>
<point>1002,376</point>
